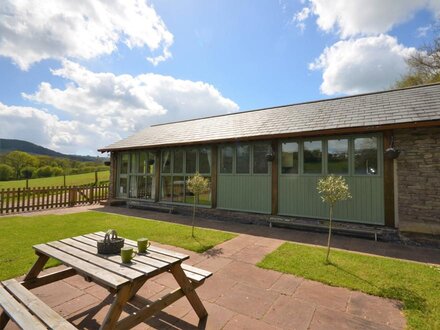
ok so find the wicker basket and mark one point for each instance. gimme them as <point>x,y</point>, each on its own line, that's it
<point>111,244</point>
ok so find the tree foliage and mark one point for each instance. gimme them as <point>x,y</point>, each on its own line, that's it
<point>333,189</point>
<point>197,185</point>
<point>19,160</point>
<point>6,172</point>
<point>424,65</point>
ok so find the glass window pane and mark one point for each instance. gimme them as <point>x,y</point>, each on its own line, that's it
<point>166,162</point>
<point>150,163</point>
<point>226,157</point>
<point>151,187</point>
<point>191,161</point>
<point>178,161</point>
<point>365,155</point>
<point>261,165</point>
<point>132,191</point>
<point>243,159</point>
<point>289,158</point>
<point>189,196</point>
<point>122,186</point>
<point>205,160</point>
<point>124,163</point>
<point>133,162</point>
<point>338,156</point>
<point>166,189</point>
<point>205,198</point>
<point>178,189</point>
<point>142,164</point>
<point>312,157</point>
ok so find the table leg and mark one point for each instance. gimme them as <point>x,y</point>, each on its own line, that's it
<point>189,291</point>
<point>4,319</point>
<point>36,268</point>
<point>112,317</point>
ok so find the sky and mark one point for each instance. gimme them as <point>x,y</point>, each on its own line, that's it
<point>79,75</point>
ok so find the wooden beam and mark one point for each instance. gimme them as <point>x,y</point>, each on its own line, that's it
<point>157,169</point>
<point>46,279</point>
<point>214,173</point>
<point>388,184</point>
<point>113,175</point>
<point>275,178</point>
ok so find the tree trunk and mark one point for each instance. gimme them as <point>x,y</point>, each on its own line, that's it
<point>194,216</point>
<point>329,233</point>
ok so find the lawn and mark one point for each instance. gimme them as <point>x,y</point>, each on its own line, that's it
<point>19,233</point>
<point>71,180</point>
<point>416,285</point>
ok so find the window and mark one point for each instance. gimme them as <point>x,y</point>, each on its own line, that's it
<point>178,189</point>
<point>261,165</point>
<point>166,162</point>
<point>178,161</point>
<point>337,156</point>
<point>123,186</point>
<point>166,192</point>
<point>150,163</point>
<point>226,155</point>
<point>312,157</point>
<point>142,164</point>
<point>124,163</point>
<point>289,158</point>
<point>191,161</point>
<point>205,160</point>
<point>185,162</point>
<point>243,159</point>
<point>365,155</point>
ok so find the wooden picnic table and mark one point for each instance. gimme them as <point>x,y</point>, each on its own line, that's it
<point>80,256</point>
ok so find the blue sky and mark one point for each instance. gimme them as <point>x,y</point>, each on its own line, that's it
<point>77,77</point>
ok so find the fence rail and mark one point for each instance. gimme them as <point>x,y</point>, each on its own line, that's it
<point>32,199</point>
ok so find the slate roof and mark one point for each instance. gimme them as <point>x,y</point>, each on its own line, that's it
<point>410,105</point>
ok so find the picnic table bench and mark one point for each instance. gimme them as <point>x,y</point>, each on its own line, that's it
<point>80,256</point>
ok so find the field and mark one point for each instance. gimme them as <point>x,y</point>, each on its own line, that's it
<point>71,180</point>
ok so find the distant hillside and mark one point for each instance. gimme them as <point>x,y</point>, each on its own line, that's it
<point>7,145</point>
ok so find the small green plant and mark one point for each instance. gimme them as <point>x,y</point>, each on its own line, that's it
<point>197,185</point>
<point>332,189</point>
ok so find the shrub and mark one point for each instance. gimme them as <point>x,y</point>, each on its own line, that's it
<point>6,172</point>
<point>197,185</point>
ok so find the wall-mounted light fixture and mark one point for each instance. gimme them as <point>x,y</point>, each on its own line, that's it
<point>392,152</point>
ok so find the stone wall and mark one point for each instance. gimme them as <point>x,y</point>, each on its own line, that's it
<point>418,180</point>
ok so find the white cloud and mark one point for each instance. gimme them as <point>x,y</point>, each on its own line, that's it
<point>102,107</point>
<point>361,65</point>
<point>300,17</point>
<point>33,30</point>
<point>364,17</point>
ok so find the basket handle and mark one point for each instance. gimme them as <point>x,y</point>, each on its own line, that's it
<point>113,234</point>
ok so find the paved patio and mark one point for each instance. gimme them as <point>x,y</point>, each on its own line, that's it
<point>238,296</point>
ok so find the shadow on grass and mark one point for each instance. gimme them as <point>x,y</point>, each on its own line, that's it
<point>410,299</point>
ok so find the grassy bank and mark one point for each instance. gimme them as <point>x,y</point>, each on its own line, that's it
<point>18,234</point>
<point>71,180</point>
<point>416,285</point>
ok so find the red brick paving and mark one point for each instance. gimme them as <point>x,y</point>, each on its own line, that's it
<point>238,296</point>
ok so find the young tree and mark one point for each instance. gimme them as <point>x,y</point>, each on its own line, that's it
<point>332,189</point>
<point>197,185</point>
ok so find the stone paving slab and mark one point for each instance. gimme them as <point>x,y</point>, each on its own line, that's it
<point>238,296</point>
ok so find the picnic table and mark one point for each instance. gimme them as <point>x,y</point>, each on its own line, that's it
<point>80,256</point>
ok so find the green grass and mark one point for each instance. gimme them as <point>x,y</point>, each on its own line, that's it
<point>71,180</point>
<point>19,234</point>
<point>416,285</point>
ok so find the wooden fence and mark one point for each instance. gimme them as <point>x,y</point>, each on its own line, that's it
<point>32,199</point>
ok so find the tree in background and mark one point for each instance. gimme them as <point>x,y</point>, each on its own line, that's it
<point>197,185</point>
<point>27,172</point>
<point>332,189</point>
<point>6,172</point>
<point>19,160</point>
<point>424,65</point>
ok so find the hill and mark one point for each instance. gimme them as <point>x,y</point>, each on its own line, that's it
<point>7,145</point>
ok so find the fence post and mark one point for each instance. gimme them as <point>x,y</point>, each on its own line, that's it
<point>72,196</point>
